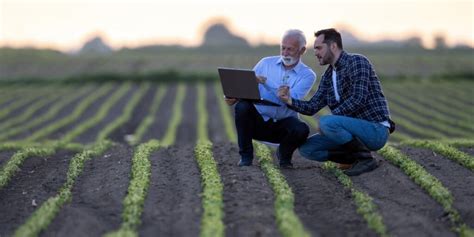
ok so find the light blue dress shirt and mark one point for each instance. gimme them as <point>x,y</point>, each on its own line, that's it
<point>300,79</point>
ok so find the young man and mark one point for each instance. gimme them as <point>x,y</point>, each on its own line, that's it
<point>276,124</point>
<point>360,120</point>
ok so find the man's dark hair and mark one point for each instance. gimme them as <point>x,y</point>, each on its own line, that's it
<point>330,36</point>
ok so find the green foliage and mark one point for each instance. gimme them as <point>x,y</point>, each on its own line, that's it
<point>17,160</point>
<point>175,120</point>
<point>126,114</point>
<point>460,142</point>
<point>44,215</point>
<point>101,114</point>
<point>426,181</point>
<point>148,120</point>
<point>364,203</point>
<point>287,221</point>
<point>53,111</point>
<point>202,113</point>
<point>137,190</point>
<point>71,117</point>
<point>226,118</point>
<point>28,112</point>
<point>446,150</point>
<point>165,76</point>
<point>212,200</point>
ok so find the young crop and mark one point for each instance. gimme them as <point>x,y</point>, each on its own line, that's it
<point>44,215</point>
<point>445,150</point>
<point>364,203</point>
<point>53,111</point>
<point>175,120</point>
<point>212,198</point>
<point>226,118</point>
<point>150,118</point>
<point>17,159</point>
<point>71,117</point>
<point>429,183</point>
<point>137,190</point>
<point>101,114</point>
<point>126,114</point>
<point>287,221</point>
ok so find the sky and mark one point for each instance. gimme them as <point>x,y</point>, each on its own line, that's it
<point>67,24</point>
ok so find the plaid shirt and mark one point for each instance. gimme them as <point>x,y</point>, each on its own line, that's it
<point>361,94</point>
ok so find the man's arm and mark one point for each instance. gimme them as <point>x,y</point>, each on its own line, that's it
<point>316,103</point>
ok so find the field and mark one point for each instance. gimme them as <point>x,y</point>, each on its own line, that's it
<point>159,159</point>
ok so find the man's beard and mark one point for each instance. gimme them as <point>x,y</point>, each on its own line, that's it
<point>327,58</point>
<point>288,60</point>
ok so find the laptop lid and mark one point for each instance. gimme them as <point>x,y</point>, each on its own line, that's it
<point>239,83</point>
<point>242,84</point>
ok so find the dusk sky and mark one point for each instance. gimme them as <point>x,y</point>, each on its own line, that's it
<point>66,24</point>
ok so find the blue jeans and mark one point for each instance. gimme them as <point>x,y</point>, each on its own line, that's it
<point>337,130</point>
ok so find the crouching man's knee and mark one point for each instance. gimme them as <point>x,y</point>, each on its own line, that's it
<point>243,108</point>
<point>301,131</point>
<point>310,153</point>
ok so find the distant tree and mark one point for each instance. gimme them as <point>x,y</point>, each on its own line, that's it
<point>95,45</point>
<point>413,42</point>
<point>440,42</point>
<point>218,35</point>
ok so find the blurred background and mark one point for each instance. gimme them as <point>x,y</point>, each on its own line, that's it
<point>61,39</point>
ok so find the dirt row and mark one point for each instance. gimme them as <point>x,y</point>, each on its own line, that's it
<point>324,206</point>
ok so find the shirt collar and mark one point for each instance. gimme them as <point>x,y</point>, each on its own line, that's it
<point>341,61</point>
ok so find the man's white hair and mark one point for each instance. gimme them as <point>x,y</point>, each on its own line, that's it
<point>297,33</point>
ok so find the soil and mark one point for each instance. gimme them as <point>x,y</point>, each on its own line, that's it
<point>38,179</point>
<point>65,111</point>
<point>467,150</point>
<point>452,175</point>
<point>324,206</point>
<point>89,112</point>
<point>406,208</point>
<point>173,204</point>
<point>5,156</point>
<point>97,196</point>
<point>115,111</point>
<point>162,116</point>
<point>138,114</point>
<point>248,197</point>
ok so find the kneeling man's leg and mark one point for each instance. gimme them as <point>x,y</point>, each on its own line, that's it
<point>357,137</point>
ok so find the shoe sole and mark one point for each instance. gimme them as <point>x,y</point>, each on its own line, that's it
<point>370,168</point>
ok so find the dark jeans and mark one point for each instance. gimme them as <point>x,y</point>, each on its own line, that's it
<point>289,132</point>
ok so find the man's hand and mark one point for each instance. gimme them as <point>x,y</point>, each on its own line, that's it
<point>284,94</point>
<point>230,101</point>
<point>261,79</point>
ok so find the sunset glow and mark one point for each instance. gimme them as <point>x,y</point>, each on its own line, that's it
<point>66,24</point>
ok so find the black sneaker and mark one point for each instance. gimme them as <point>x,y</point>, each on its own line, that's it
<point>245,162</point>
<point>362,166</point>
<point>284,164</point>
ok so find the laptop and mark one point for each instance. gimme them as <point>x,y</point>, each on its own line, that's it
<point>242,84</point>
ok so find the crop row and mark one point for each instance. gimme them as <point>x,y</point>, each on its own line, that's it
<point>50,114</point>
<point>429,183</point>
<point>43,216</point>
<point>75,114</point>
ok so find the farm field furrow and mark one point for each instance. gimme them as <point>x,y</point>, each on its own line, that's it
<point>160,159</point>
<point>38,179</point>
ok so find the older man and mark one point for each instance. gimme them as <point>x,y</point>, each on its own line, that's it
<point>276,124</point>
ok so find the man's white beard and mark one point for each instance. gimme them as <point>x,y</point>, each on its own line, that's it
<point>288,60</point>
